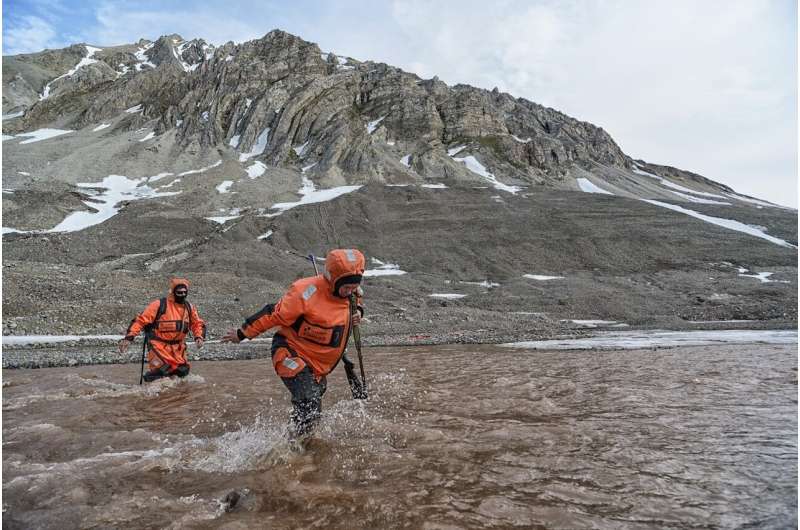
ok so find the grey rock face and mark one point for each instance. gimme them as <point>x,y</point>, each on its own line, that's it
<point>281,83</point>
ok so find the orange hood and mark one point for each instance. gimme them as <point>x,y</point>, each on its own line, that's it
<point>340,263</point>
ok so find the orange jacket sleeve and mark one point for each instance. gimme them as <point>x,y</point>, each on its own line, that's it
<point>198,324</point>
<point>144,318</point>
<point>284,313</point>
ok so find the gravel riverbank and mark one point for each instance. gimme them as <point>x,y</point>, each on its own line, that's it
<point>54,351</point>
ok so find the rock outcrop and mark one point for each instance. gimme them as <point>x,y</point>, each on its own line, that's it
<point>356,119</point>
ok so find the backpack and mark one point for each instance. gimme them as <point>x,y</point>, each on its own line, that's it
<point>162,308</point>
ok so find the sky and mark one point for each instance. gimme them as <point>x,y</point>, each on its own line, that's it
<point>707,86</point>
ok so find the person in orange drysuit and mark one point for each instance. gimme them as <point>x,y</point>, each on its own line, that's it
<point>314,322</point>
<point>166,322</point>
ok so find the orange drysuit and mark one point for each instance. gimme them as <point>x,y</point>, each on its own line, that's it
<point>314,321</point>
<point>166,336</point>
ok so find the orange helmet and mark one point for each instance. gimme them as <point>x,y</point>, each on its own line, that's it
<point>343,266</point>
<point>174,282</point>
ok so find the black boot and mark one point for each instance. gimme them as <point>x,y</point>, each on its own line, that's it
<point>356,388</point>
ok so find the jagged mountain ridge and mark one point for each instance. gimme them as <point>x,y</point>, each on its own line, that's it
<point>230,95</point>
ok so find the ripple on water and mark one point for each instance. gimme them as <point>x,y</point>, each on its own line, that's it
<point>674,438</point>
<point>80,387</point>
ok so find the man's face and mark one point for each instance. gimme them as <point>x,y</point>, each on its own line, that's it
<point>347,289</point>
<point>180,292</point>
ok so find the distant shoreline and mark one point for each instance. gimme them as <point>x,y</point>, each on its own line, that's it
<point>66,351</point>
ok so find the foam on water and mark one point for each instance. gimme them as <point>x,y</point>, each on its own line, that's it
<point>243,449</point>
<point>89,388</point>
<point>264,443</point>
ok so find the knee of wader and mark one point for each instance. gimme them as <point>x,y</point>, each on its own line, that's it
<point>157,373</point>
<point>182,370</point>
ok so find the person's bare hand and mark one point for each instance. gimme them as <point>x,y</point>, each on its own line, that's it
<point>231,336</point>
<point>356,318</point>
<point>200,342</point>
<point>123,345</point>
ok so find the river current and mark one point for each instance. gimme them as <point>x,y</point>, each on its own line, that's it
<point>451,437</point>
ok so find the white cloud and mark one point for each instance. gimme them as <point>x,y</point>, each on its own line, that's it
<point>705,86</point>
<point>118,25</point>
<point>28,34</point>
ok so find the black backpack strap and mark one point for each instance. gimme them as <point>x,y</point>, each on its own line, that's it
<point>149,329</point>
<point>162,308</point>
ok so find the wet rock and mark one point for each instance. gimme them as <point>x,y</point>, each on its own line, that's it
<point>231,500</point>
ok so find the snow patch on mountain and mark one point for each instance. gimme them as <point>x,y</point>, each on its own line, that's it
<point>383,269</point>
<point>90,51</point>
<point>476,167</point>
<point>541,277</point>
<point>763,277</point>
<point>636,169</point>
<point>234,213</point>
<point>256,169</point>
<point>225,186</point>
<point>258,148</point>
<point>371,126</point>
<point>299,150</point>
<point>39,134</point>
<point>455,150</point>
<point>484,283</point>
<point>201,170</point>
<point>730,224</point>
<point>588,186</point>
<point>141,57</point>
<point>117,189</point>
<point>310,195</point>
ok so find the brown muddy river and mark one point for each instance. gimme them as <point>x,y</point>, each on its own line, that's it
<point>451,437</point>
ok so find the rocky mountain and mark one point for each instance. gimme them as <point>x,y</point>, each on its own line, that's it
<point>123,165</point>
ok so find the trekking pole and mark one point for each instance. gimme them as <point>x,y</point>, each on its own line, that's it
<point>357,340</point>
<point>144,348</point>
<point>313,261</point>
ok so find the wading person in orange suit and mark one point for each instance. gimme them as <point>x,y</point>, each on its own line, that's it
<point>314,322</point>
<point>166,322</point>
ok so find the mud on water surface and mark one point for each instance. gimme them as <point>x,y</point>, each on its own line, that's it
<point>451,437</point>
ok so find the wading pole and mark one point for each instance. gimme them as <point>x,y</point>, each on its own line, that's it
<point>144,348</point>
<point>357,340</point>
